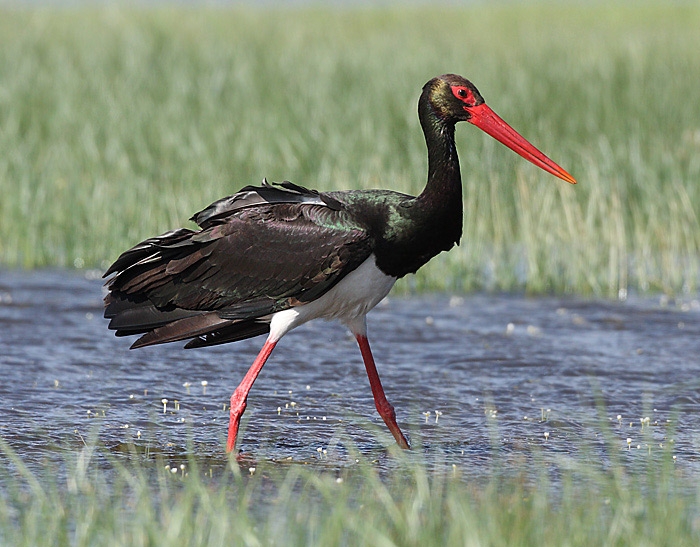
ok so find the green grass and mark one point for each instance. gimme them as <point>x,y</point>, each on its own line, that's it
<point>119,123</point>
<point>553,500</point>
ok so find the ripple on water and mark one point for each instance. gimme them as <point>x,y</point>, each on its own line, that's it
<point>500,370</point>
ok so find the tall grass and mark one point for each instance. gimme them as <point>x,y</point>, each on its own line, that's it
<point>559,501</point>
<point>119,123</point>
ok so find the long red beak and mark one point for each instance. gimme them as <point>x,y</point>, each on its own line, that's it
<point>488,121</point>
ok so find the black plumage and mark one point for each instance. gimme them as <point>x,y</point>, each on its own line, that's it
<point>220,284</point>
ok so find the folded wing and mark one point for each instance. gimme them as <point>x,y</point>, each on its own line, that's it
<point>262,250</point>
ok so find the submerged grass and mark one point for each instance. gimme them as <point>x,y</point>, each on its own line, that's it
<point>119,123</point>
<point>559,501</point>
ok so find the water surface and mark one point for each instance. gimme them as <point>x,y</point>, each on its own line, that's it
<point>500,371</point>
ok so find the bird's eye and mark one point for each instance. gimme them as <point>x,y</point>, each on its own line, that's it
<point>463,94</point>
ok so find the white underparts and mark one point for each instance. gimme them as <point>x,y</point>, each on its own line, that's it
<point>348,302</point>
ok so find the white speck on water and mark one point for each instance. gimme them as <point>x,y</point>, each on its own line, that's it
<point>532,330</point>
<point>456,301</point>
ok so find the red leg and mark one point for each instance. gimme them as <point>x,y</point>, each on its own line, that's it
<point>239,397</point>
<point>386,411</point>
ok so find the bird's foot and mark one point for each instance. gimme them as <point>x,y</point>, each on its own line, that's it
<point>237,409</point>
<point>388,414</point>
<point>399,436</point>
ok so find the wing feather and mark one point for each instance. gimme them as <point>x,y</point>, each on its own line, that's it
<point>260,251</point>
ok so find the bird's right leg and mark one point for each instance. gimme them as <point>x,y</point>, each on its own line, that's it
<point>239,397</point>
<point>385,409</point>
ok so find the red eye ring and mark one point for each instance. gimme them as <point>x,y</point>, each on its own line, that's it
<point>464,94</point>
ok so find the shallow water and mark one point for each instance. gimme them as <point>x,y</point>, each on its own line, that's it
<point>501,370</point>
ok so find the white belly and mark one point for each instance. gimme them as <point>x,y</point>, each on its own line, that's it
<point>349,301</point>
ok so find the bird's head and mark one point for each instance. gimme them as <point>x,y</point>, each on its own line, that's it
<point>453,98</point>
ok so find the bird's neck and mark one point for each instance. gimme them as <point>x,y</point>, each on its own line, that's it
<point>443,191</point>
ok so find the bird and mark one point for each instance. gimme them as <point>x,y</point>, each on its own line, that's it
<point>274,256</point>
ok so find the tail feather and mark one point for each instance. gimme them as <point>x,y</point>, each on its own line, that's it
<point>237,330</point>
<point>182,329</point>
<point>136,317</point>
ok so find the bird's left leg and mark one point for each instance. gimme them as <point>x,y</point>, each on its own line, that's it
<point>239,397</point>
<point>386,411</point>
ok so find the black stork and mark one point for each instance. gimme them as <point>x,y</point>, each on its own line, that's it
<point>271,257</point>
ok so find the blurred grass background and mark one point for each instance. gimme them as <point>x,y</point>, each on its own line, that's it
<point>117,123</point>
